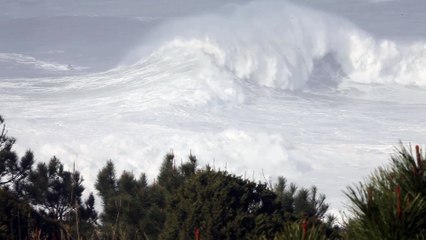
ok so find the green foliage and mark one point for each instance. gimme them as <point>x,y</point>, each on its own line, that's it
<point>302,231</point>
<point>45,201</point>
<point>106,182</point>
<point>55,189</point>
<point>221,206</point>
<point>18,219</point>
<point>14,221</point>
<point>11,169</point>
<point>132,208</point>
<point>169,177</point>
<point>392,204</point>
<point>217,204</point>
<point>57,193</point>
<point>106,185</point>
<point>300,203</point>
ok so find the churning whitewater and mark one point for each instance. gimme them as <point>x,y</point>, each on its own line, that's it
<point>264,88</point>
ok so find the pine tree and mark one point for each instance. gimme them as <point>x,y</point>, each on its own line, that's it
<point>42,203</point>
<point>57,195</point>
<point>220,206</point>
<point>169,177</point>
<point>392,203</point>
<point>106,185</point>
<point>302,231</point>
<point>106,182</point>
<point>300,203</point>
<point>132,208</point>
<point>12,171</point>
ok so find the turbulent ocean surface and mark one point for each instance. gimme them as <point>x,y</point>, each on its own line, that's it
<point>318,91</point>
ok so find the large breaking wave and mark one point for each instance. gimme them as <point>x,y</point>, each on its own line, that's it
<point>277,44</point>
<point>227,55</point>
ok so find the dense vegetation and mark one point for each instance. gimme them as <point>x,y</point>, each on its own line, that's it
<point>186,201</point>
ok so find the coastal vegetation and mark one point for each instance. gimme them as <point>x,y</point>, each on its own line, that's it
<point>43,200</point>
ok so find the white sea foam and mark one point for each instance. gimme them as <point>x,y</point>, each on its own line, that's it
<point>24,60</point>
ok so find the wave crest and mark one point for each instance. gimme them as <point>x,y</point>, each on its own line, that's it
<point>228,56</point>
